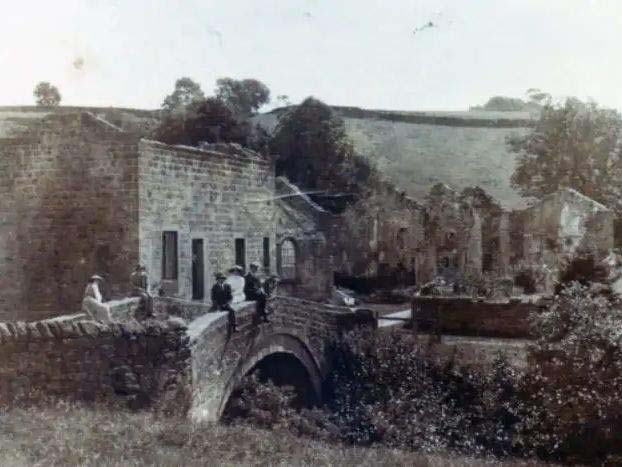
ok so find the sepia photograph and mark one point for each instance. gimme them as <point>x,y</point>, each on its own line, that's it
<point>310,233</point>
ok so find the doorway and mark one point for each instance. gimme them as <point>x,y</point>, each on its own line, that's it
<point>198,270</point>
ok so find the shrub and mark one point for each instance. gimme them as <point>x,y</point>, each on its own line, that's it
<point>385,391</point>
<point>575,382</point>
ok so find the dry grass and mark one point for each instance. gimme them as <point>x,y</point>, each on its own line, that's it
<point>69,434</point>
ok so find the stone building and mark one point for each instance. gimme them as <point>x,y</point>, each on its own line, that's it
<point>378,239</point>
<point>303,255</point>
<point>558,227</point>
<point>79,195</point>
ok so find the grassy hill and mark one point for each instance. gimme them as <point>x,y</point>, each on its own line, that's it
<point>413,149</point>
<point>418,149</point>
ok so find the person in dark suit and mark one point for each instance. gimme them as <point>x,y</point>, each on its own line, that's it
<point>253,290</point>
<point>221,299</point>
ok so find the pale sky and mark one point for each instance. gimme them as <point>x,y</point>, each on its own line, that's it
<point>346,52</point>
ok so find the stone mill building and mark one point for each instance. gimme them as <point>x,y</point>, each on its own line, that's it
<point>79,195</point>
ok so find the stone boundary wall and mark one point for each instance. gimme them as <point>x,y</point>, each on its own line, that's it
<point>139,363</point>
<point>467,317</point>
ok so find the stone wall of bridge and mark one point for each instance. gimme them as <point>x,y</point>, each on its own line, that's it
<point>141,364</point>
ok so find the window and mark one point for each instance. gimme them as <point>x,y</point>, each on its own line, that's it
<point>169,255</point>
<point>240,253</point>
<point>266,253</point>
<point>288,260</point>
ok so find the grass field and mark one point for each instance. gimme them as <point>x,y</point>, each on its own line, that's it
<point>67,434</point>
<point>416,156</point>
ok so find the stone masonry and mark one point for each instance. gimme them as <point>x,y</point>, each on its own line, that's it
<point>68,208</point>
<point>83,360</point>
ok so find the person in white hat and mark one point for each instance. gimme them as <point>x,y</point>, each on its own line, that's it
<point>92,303</point>
<point>236,280</point>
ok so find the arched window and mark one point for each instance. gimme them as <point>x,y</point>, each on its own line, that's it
<point>288,260</point>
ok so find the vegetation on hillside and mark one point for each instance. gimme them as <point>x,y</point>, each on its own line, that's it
<point>576,145</point>
<point>189,118</point>
<point>46,95</point>
<point>315,152</point>
<point>534,102</point>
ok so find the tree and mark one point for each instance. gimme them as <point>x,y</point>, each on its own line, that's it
<point>46,94</point>
<point>574,145</point>
<point>315,152</point>
<point>186,92</point>
<point>243,97</point>
<point>208,120</point>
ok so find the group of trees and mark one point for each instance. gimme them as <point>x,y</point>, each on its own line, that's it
<point>46,94</point>
<point>311,142</point>
<point>573,144</point>
<point>188,117</point>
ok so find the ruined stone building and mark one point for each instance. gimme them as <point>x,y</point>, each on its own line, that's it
<point>80,196</point>
<point>558,227</point>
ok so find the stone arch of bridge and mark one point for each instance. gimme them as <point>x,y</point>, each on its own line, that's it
<point>274,345</point>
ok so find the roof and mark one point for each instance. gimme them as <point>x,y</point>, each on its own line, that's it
<point>571,192</point>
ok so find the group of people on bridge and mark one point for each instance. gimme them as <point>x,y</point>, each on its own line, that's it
<point>252,288</point>
<point>225,292</point>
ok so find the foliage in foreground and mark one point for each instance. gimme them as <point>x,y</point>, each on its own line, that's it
<point>62,434</point>
<point>567,407</point>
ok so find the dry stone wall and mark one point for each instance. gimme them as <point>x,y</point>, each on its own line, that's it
<point>141,364</point>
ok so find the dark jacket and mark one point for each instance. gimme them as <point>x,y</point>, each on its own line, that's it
<point>252,286</point>
<point>221,294</point>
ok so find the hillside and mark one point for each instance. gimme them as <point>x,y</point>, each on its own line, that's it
<point>413,149</point>
<point>418,149</point>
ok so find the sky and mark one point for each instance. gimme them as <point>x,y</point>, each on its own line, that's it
<point>385,54</point>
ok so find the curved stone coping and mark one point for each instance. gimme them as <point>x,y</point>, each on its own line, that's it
<point>203,322</point>
<point>67,329</point>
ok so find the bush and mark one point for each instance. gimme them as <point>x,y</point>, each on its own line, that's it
<point>576,376</point>
<point>385,391</point>
<point>262,404</point>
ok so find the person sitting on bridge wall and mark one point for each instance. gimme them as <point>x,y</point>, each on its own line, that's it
<point>254,291</point>
<point>270,285</point>
<point>221,299</point>
<point>92,303</point>
<point>140,288</point>
<point>236,280</point>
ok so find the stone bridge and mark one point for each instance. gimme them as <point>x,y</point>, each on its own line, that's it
<point>291,348</point>
<point>191,365</point>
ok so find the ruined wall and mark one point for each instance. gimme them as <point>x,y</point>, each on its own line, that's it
<point>139,363</point>
<point>69,202</point>
<point>379,236</point>
<point>467,317</point>
<point>561,225</point>
<point>217,194</point>
<point>303,222</point>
